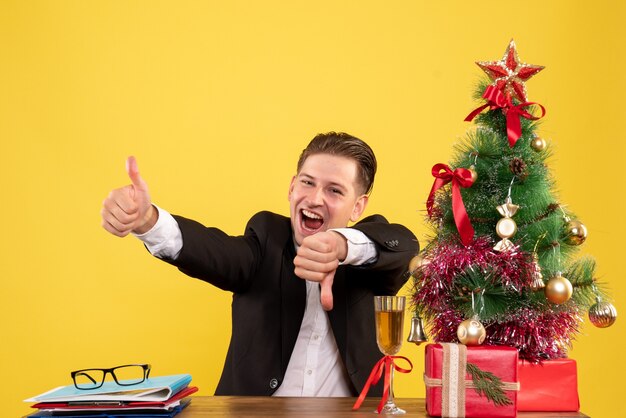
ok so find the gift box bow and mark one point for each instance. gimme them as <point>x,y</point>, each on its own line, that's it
<point>454,382</point>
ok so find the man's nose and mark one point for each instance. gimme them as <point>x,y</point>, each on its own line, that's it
<point>317,196</point>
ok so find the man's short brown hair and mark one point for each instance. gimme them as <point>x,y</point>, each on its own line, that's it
<point>344,145</point>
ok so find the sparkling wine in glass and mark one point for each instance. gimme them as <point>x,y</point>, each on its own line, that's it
<point>389,312</point>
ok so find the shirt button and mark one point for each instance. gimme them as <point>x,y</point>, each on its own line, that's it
<point>273,384</point>
<point>309,371</point>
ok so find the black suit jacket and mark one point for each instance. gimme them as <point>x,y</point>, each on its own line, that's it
<point>269,299</point>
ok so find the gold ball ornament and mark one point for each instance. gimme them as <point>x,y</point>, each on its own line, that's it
<point>474,173</point>
<point>538,144</point>
<point>417,262</point>
<point>576,232</point>
<point>471,332</point>
<point>602,314</point>
<point>558,290</point>
<point>506,228</point>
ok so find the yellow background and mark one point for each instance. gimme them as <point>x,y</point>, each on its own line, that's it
<point>216,99</point>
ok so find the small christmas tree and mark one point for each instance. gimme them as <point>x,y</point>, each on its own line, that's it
<point>501,268</point>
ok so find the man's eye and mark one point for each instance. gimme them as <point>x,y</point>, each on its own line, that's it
<point>336,191</point>
<point>306,182</point>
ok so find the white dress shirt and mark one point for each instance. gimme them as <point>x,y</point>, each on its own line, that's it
<point>315,367</point>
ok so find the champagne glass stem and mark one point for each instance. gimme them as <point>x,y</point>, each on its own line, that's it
<point>390,407</point>
<point>390,401</point>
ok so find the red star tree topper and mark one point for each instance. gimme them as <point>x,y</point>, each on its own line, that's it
<point>509,74</point>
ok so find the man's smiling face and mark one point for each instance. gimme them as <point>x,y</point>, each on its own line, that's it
<point>325,194</point>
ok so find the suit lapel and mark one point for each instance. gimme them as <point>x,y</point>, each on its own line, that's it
<point>293,302</point>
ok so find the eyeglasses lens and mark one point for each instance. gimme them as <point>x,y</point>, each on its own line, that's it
<point>89,379</point>
<point>129,375</point>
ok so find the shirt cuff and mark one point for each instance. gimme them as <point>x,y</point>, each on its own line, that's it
<point>361,249</point>
<point>164,240</point>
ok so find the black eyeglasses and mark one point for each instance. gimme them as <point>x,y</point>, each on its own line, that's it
<point>126,375</point>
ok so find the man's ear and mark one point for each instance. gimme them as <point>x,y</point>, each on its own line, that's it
<point>359,207</point>
<point>291,185</point>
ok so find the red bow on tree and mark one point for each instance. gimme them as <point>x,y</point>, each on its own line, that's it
<point>460,177</point>
<point>497,100</point>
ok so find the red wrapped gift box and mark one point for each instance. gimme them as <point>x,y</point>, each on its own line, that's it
<point>448,394</point>
<point>549,386</point>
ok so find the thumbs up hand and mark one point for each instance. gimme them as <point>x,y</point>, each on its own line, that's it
<point>129,209</point>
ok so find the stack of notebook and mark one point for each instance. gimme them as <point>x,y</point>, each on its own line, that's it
<point>161,397</point>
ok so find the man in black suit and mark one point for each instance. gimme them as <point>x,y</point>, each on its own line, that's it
<point>290,337</point>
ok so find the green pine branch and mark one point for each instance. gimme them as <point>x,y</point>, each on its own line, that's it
<point>489,385</point>
<point>581,274</point>
<point>490,299</point>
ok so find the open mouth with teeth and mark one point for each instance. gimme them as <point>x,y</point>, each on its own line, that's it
<point>311,221</point>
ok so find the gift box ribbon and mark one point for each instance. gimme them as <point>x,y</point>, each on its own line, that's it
<point>453,382</point>
<point>384,364</point>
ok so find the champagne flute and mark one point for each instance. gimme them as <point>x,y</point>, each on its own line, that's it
<point>389,312</point>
